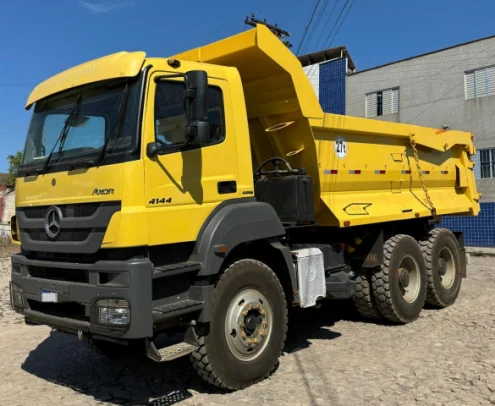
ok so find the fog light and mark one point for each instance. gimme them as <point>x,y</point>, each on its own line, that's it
<point>113,311</point>
<point>16,297</point>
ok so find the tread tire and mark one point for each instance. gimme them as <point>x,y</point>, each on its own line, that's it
<point>385,282</point>
<point>213,360</point>
<point>437,295</point>
<point>363,299</point>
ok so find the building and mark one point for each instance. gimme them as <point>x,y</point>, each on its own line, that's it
<point>453,87</point>
<point>327,71</point>
<point>7,206</point>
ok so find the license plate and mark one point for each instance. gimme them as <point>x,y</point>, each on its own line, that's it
<point>48,296</point>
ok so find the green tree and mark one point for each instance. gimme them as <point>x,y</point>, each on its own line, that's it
<point>14,162</point>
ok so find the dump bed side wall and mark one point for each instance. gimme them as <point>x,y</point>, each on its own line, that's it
<point>286,120</point>
<point>378,178</point>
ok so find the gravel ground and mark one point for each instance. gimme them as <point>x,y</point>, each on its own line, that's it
<point>332,358</point>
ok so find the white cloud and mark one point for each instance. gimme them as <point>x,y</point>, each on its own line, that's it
<point>98,7</point>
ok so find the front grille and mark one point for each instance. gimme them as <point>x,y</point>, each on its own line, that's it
<point>81,227</point>
<point>59,274</point>
<point>69,310</point>
<point>116,254</point>
<point>68,210</point>
<point>65,235</point>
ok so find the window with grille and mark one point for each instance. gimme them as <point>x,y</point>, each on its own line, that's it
<point>382,102</point>
<point>479,83</point>
<point>487,163</point>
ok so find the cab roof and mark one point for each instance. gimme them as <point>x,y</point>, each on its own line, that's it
<point>118,65</point>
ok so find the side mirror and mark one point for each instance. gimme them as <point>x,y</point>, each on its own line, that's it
<point>196,98</point>
<point>152,149</point>
<point>196,109</point>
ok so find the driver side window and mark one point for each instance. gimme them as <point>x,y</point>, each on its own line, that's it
<point>170,117</point>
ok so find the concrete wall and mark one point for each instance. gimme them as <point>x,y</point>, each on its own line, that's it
<point>4,233</point>
<point>313,74</point>
<point>8,206</point>
<point>432,94</point>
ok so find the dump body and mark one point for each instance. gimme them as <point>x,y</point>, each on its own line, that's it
<point>377,177</point>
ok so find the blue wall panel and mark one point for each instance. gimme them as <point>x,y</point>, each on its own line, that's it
<point>332,86</point>
<point>478,231</point>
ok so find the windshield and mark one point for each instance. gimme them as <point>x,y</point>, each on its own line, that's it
<point>96,120</point>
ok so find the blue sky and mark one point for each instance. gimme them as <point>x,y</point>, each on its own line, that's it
<point>41,38</point>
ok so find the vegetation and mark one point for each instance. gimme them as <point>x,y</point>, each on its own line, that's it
<point>14,162</point>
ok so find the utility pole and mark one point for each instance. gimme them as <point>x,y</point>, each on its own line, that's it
<point>281,34</point>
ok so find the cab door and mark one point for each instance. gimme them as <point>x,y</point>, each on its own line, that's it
<point>184,183</point>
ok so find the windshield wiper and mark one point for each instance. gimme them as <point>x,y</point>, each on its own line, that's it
<point>116,129</point>
<point>63,134</point>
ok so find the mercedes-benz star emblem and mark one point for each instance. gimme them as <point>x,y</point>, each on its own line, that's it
<point>52,221</point>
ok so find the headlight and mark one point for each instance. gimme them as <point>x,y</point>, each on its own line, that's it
<point>113,311</point>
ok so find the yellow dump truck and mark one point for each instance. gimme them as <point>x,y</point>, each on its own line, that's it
<point>206,194</point>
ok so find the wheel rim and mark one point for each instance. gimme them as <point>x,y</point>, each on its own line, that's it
<point>248,325</point>
<point>409,278</point>
<point>446,267</point>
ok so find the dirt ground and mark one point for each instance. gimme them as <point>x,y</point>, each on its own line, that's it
<point>332,358</point>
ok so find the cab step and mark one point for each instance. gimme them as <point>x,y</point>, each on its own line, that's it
<point>166,271</point>
<point>168,353</point>
<point>177,308</point>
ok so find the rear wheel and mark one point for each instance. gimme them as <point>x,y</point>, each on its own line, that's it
<point>443,267</point>
<point>364,302</point>
<point>248,328</point>
<point>399,286</point>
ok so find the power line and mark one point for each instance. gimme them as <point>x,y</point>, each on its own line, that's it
<point>342,22</point>
<point>317,2</point>
<point>317,23</point>
<point>326,23</point>
<point>313,68</point>
<point>335,24</point>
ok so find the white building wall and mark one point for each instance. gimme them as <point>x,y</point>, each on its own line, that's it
<point>313,74</point>
<point>8,206</point>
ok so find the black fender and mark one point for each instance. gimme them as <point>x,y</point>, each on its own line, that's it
<point>232,223</point>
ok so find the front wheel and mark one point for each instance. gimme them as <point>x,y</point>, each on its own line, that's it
<point>248,327</point>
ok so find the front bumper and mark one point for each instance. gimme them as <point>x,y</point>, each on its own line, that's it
<point>78,286</point>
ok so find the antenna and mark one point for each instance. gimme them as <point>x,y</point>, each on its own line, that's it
<point>280,33</point>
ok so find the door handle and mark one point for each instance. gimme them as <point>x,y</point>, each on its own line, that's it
<point>225,187</point>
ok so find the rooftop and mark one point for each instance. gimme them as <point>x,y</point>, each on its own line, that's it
<point>425,54</point>
<point>327,55</point>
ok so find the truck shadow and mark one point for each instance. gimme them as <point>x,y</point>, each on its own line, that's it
<point>312,323</point>
<point>64,360</point>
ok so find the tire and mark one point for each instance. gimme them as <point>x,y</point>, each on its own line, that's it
<point>443,267</point>
<point>400,294</point>
<point>363,299</point>
<point>222,359</point>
